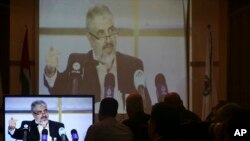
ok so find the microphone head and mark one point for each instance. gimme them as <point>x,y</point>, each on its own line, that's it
<point>62,131</point>
<point>139,79</point>
<point>74,134</point>
<point>44,135</point>
<point>161,86</point>
<point>159,79</point>
<point>76,68</point>
<point>25,127</point>
<point>44,132</point>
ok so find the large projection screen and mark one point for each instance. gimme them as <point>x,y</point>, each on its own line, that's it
<point>152,31</point>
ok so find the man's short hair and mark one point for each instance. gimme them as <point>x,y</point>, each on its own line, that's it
<point>37,102</point>
<point>173,98</point>
<point>98,10</point>
<point>134,103</point>
<point>227,111</point>
<point>108,107</point>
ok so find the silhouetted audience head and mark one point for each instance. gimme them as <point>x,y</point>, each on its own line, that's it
<point>108,129</point>
<point>227,111</point>
<point>108,108</point>
<point>174,99</point>
<point>164,121</point>
<point>238,122</point>
<point>186,116</point>
<point>137,119</point>
<point>228,118</point>
<point>212,114</point>
<point>134,104</point>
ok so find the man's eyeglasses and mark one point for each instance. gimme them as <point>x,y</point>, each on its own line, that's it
<point>101,34</point>
<point>41,112</point>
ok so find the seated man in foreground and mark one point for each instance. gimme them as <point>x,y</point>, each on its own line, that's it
<point>108,128</point>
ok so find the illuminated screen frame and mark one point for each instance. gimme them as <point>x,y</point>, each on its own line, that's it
<point>71,115</point>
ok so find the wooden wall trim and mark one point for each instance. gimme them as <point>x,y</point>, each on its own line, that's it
<point>18,63</point>
<point>202,64</point>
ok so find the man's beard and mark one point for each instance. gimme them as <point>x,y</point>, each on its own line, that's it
<point>43,121</point>
<point>108,54</point>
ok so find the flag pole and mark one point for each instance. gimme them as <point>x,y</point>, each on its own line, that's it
<point>186,19</point>
<point>206,101</point>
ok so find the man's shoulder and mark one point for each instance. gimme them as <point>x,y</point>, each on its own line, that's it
<point>126,121</point>
<point>78,59</point>
<point>108,122</point>
<point>127,57</point>
<point>190,115</point>
<point>55,123</point>
<point>78,56</point>
<point>28,121</point>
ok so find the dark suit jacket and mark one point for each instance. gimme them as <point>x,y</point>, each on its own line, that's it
<point>33,133</point>
<point>88,77</point>
<point>139,126</point>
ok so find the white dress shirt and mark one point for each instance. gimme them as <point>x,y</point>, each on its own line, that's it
<point>102,71</point>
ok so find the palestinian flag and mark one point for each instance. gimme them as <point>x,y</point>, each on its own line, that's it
<point>25,67</point>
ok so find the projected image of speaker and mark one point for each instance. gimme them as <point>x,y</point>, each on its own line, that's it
<point>81,42</point>
<point>47,118</point>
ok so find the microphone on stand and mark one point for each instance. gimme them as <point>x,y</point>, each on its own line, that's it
<point>44,135</point>
<point>25,132</point>
<point>74,135</point>
<point>109,85</point>
<point>139,82</point>
<point>75,75</point>
<point>62,133</point>
<point>161,86</point>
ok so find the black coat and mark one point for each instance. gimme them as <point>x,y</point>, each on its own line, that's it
<point>139,126</point>
<point>87,76</point>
